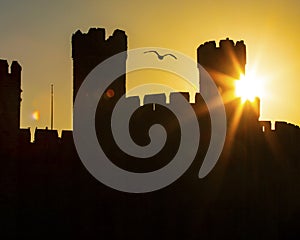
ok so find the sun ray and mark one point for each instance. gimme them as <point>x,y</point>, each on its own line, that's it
<point>248,87</point>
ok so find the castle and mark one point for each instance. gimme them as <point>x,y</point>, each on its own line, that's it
<point>224,64</point>
<point>45,189</point>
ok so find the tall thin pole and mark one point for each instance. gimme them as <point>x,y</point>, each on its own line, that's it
<point>51,106</point>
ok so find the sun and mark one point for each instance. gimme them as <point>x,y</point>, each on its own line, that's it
<point>248,87</point>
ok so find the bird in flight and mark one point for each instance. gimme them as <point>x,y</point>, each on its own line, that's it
<point>161,57</point>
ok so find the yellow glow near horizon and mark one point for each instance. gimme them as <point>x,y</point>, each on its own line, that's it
<point>248,87</point>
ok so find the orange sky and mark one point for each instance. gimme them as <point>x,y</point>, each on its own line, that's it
<point>38,35</point>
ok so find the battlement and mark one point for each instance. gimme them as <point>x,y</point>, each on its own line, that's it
<point>166,97</point>
<point>45,136</point>
<point>250,112</point>
<point>94,43</point>
<point>228,59</point>
<point>223,45</point>
<point>3,69</point>
<point>13,74</point>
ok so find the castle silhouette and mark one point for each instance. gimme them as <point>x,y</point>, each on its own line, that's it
<point>253,191</point>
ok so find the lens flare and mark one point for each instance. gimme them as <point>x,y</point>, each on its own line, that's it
<point>248,87</point>
<point>35,115</point>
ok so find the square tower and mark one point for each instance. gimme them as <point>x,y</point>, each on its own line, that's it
<point>10,101</point>
<point>225,64</point>
<point>90,49</point>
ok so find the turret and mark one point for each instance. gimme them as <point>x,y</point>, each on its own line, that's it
<point>90,49</point>
<point>10,100</point>
<point>225,64</point>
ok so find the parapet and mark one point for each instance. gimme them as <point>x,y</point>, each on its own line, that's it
<point>265,126</point>
<point>285,128</point>
<point>15,71</point>
<point>46,136</point>
<point>67,137</point>
<point>229,58</point>
<point>168,97</point>
<point>94,43</point>
<point>222,45</point>
<point>3,69</point>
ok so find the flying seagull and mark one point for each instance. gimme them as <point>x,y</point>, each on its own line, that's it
<point>161,57</point>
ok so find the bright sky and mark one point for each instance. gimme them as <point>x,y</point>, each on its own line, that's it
<point>38,35</point>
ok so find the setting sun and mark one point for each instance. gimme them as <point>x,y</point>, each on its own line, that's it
<point>248,87</point>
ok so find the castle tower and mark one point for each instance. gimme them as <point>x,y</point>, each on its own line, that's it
<point>225,64</point>
<point>10,100</point>
<point>90,49</point>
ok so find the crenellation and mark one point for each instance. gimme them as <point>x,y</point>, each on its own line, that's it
<point>229,58</point>
<point>226,44</point>
<point>285,128</point>
<point>93,46</point>
<point>3,70</point>
<point>253,184</point>
<point>149,98</point>
<point>43,136</point>
<point>15,74</point>
<point>265,126</point>
<point>186,95</point>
